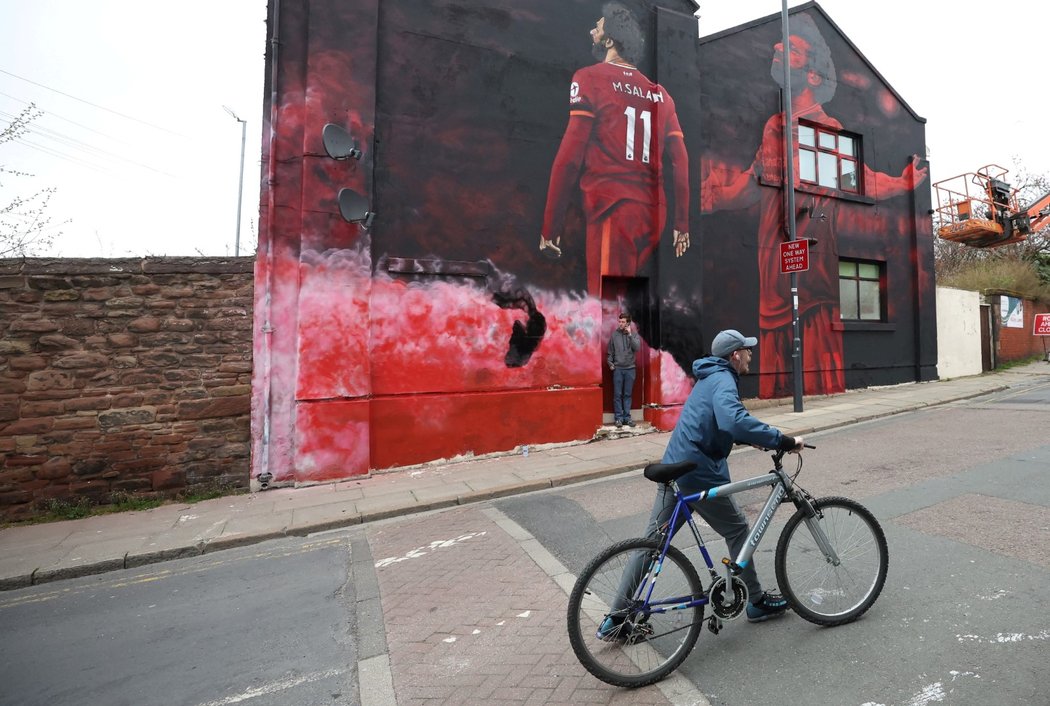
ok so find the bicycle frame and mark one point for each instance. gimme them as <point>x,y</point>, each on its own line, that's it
<point>782,486</point>
<point>629,631</point>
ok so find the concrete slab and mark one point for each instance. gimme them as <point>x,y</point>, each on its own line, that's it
<point>17,571</point>
<point>323,517</point>
<point>20,539</point>
<point>275,523</point>
<point>384,506</point>
<point>436,494</point>
<point>292,502</point>
<point>89,552</point>
<point>504,489</point>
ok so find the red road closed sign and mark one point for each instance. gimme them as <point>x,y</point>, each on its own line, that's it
<point>1041,325</point>
<point>794,256</point>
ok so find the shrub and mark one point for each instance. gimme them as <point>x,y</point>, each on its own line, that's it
<point>1018,276</point>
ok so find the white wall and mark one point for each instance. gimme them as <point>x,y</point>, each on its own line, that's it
<point>958,333</point>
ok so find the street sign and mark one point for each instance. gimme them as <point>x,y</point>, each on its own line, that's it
<point>1041,325</point>
<point>794,256</point>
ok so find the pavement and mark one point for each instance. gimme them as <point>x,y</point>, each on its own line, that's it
<point>34,554</point>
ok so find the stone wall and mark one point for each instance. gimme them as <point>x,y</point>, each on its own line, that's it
<point>122,377</point>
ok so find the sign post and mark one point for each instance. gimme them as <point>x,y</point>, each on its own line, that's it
<point>786,98</point>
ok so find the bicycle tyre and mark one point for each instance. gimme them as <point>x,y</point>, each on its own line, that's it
<point>673,634</point>
<point>815,589</point>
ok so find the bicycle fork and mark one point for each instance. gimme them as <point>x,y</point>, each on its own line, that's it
<point>812,522</point>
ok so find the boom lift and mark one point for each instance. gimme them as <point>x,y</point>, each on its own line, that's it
<point>980,209</point>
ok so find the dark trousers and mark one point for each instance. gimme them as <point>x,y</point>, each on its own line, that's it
<point>722,514</point>
<point>623,384</point>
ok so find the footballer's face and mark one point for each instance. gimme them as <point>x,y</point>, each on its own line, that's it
<point>799,53</point>
<point>801,72</point>
<point>598,33</point>
<point>598,48</point>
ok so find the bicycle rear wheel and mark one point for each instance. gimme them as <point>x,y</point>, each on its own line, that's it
<point>648,644</point>
<point>816,589</point>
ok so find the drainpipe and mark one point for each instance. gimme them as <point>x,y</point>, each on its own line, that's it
<point>265,476</point>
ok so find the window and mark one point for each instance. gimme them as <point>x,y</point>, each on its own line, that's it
<point>828,158</point>
<point>861,288</point>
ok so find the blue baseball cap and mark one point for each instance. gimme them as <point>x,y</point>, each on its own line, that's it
<point>730,340</point>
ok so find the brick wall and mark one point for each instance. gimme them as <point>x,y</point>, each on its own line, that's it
<point>122,377</point>
<point>1018,343</point>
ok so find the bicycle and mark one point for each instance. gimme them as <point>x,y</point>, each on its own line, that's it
<point>829,575</point>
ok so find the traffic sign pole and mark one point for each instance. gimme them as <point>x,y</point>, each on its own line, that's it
<point>789,203</point>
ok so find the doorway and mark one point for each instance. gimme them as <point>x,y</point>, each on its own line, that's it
<point>987,360</point>
<point>630,294</point>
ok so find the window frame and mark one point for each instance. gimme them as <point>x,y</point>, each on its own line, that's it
<point>820,152</point>
<point>856,279</point>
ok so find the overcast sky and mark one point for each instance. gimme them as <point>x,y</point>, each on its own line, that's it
<point>134,136</point>
<point>145,159</point>
<point>976,70</point>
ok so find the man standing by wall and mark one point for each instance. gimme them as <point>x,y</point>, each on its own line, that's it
<point>623,347</point>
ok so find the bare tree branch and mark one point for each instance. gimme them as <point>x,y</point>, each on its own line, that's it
<point>25,226</point>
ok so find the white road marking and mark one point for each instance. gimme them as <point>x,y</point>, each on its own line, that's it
<point>927,695</point>
<point>956,675</point>
<point>994,596</point>
<point>423,551</point>
<point>931,693</point>
<point>274,687</point>
<point>1003,637</point>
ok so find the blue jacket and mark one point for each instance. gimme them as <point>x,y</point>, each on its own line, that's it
<point>712,420</point>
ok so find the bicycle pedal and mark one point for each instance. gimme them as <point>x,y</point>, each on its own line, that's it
<point>734,568</point>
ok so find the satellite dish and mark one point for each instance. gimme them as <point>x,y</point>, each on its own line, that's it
<point>338,143</point>
<point>353,207</point>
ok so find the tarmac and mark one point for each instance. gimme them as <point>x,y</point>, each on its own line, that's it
<point>34,554</point>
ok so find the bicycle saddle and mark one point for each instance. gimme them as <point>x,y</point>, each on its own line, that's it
<point>667,472</point>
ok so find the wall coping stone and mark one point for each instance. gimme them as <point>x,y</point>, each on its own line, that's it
<point>117,266</point>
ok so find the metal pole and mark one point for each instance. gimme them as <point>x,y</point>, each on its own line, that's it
<point>789,202</point>
<point>240,182</point>
<point>240,191</point>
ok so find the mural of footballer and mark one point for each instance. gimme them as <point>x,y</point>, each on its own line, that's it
<point>725,186</point>
<point>620,124</point>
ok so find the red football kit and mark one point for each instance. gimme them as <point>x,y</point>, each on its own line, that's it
<point>620,122</point>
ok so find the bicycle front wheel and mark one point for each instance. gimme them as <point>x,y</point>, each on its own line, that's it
<point>816,588</point>
<point>618,635</point>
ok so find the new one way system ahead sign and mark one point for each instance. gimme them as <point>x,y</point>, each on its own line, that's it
<point>794,256</point>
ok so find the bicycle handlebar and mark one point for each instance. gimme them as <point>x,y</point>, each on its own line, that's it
<point>778,455</point>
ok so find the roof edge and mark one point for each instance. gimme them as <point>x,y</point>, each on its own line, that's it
<point>812,4</point>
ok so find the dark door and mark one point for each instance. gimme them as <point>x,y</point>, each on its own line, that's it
<point>628,294</point>
<point>986,338</point>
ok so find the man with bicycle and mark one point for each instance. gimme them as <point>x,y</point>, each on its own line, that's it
<point>712,420</point>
